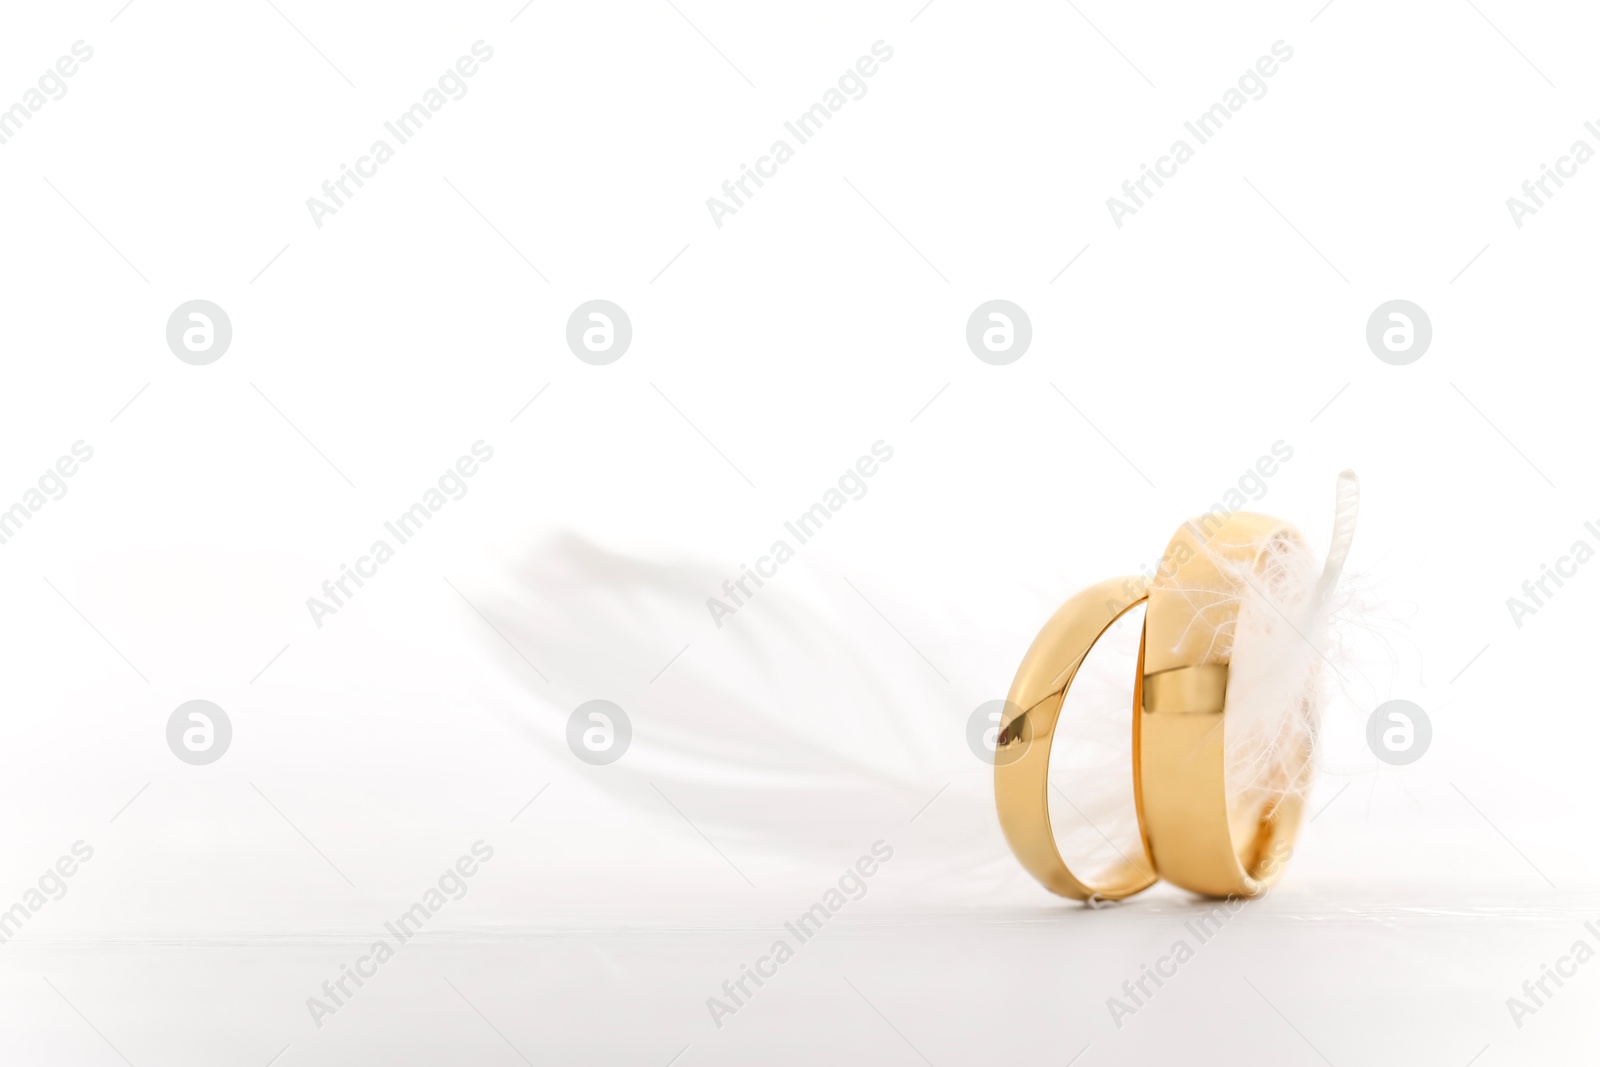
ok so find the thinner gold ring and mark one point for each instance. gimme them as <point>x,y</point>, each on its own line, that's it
<point>1022,750</point>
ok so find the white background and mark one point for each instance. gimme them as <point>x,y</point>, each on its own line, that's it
<point>768,354</point>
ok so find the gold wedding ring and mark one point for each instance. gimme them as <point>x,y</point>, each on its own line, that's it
<point>1022,751</point>
<point>1197,839</point>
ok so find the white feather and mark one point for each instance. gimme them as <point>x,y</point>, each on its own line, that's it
<point>1280,651</point>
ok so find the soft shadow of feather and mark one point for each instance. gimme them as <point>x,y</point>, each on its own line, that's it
<point>775,729</point>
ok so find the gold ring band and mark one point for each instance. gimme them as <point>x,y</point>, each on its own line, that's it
<point>1022,751</point>
<point>1198,839</point>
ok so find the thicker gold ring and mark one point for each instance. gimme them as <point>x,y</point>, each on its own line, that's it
<point>1195,840</point>
<point>1022,752</point>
